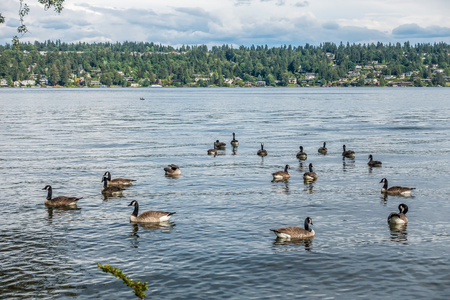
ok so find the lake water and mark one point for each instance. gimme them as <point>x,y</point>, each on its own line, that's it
<point>218,244</point>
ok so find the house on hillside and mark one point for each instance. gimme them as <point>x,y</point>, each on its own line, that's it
<point>310,76</point>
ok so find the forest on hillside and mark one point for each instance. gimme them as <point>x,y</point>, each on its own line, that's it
<point>143,64</point>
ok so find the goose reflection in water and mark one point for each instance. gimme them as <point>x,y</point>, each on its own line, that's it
<point>399,233</point>
<point>309,187</point>
<point>60,211</point>
<point>282,187</point>
<point>348,164</point>
<point>294,244</point>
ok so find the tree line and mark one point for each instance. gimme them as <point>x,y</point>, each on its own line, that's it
<point>146,63</point>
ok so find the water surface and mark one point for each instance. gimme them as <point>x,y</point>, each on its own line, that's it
<point>218,245</point>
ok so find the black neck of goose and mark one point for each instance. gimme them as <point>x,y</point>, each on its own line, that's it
<point>405,210</point>
<point>105,182</point>
<point>301,148</point>
<point>286,168</point>
<point>234,137</point>
<point>385,186</point>
<point>49,194</point>
<point>343,147</point>
<point>324,143</point>
<point>262,147</point>
<point>136,210</point>
<point>307,228</point>
<point>310,168</point>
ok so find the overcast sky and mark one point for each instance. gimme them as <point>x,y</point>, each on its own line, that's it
<point>234,22</point>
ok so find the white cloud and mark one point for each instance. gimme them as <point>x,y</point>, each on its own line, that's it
<point>239,22</point>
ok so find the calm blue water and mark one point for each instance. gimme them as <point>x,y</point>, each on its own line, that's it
<point>218,245</point>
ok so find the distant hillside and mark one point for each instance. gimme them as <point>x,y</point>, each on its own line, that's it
<point>144,64</point>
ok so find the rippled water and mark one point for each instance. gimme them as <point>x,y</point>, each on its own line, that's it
<point>218,245</point>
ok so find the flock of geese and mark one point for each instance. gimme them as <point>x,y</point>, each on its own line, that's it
<point>115,187</point>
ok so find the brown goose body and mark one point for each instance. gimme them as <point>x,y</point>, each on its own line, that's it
<point>59,201</point>
<point>281,175</point>
<point>348,153</point>
<point>213,151</point>
<point>172,170</point>
<point>400,217</point>
<point>296,232</point>
<point>374,163</point>
<point>219,145</point>
<point>110,190</point>
<point>151,216</point>
<point>395,190</point>
<point>323,149</point>
<point>117,181</point>
<point>302,155</point>
<point>262,151</point>
<point>311,175</point>
<point>234,141</point>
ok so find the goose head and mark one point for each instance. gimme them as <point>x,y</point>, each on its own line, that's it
<point>308,221</point>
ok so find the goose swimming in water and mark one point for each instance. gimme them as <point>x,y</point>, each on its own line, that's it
<point>348,153</point>
<point>213,151</point>
<point>173,170</point>
<point>234,141</point>
<point>400,217</point>
<point>262,151</point>
<point>374,163</point>
<point>310,176</point>
<point>151,216</point>
<point>219,145</point>
<point>60,200</point>
<point>323,150</point>
<point>110,190</point>
<point>395,190</point>
<point>117,181</point>
<point>293,232</point>
<point>302,155</point>
<point>281,175</point>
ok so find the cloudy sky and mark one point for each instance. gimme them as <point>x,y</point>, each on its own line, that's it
<point>234,22</point>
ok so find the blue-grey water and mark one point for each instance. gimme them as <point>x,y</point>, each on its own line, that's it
<point>218,244</point>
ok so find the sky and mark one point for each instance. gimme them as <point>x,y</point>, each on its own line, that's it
<point>233,22</point>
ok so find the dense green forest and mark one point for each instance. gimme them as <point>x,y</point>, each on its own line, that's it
<point>143,64</point>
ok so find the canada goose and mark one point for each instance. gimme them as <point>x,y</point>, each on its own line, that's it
<point>60,200</point>
<point>373,163</point>
<point>117,181</point>
<point>234,141</point>
<point>400,217</point>
<point>323,150</point>
<point>348,153</point>
<point>150,216</point>
<point>281,175</point>
<point>395,190</point>
<point>173,170</point>
<point>262,151</point>
<point>302,155</point>
<point>213,151</point>
<point>110,190</point>
<point>219,145</point>
<point>295,232</point>
<point>309,176</point>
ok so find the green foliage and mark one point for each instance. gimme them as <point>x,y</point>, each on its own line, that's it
<point>150,63</point>
<point>138,287</point>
